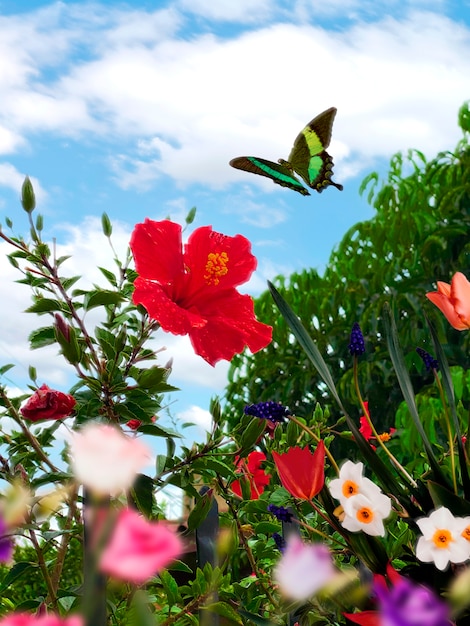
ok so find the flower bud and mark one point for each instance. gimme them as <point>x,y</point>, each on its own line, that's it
<point>28,199</point>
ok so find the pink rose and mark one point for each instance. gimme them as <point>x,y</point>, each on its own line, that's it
<point>139,549</point>
<point>105,460</point>
<point>48,404</point>
<point>26,619</point>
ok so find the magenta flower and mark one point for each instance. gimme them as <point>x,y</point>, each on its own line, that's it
<point>139,549</point>
<point>26,619</point>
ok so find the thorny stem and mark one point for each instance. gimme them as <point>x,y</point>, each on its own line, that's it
<point>315,438</point>
<point>392,458</point>
<point>249,553</point>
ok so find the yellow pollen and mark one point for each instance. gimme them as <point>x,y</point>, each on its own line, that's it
<point>216,267</point>
<point>365,515</point>
<point>350,488</point>
<point>466,533</point>
<point>442,538</point>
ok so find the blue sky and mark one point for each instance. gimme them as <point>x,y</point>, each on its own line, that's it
<point>136,109</point>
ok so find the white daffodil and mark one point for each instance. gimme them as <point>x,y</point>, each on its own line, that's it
<point>444,539</point>
<point>303,569</point>
<point>351,482</point>
<point>367,514</point>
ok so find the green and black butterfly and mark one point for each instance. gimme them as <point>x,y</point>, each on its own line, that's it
<point>308,158</point>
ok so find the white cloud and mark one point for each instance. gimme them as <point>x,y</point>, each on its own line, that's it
<point>244,11</point>
<point>197,416</point>
<point>186,106</point>
<point>11,178</point>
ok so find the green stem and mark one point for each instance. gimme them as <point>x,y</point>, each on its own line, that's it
<point>392,458</point>
<point>450,436</point>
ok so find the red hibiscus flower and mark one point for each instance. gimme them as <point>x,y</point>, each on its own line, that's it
<point>192,291</point>
<point>252,471</point>
<point>302,472</point>
<point>48,404</point>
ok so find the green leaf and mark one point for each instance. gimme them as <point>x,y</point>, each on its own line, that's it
<point>102,298</point>
<point>200,510</point>
<point>18,570</point>
<point>225,610</point>
<point>142,493</point>
<point>406,387</point>
<point>41,337</point>
<point>444,497</point>
<point>4,369</point>
<point>158,431</point>
<point>170,587</point>
<point>180,566</point>
<point>44,305</point>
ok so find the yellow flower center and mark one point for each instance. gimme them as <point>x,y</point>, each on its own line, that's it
<point>466,533</point>
<point>365,515</point>
<point>216,267</point>
<point>385,437</point>
<point>442,537</point>
<point>350,488</point>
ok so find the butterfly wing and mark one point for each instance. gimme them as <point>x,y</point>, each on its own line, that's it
<point>309,158</point>
<point>278,173</point>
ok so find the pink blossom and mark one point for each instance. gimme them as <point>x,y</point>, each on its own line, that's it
<point>26,619</point>
<point>139,549</point>
<point>303,569</point>
<point>105,460</point>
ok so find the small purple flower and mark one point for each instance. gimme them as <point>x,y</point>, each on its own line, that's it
<point>429,361</point>
<point>409,604</point>
<point>280,542</point>
<point>281,513</point>
<point>6,543</point>
<point>272,411</point>
<point>356,343</point>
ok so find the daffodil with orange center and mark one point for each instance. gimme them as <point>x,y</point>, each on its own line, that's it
<point>443,539</point>
<point>453,300</point>
<point>192,291</point>
<point>352,482</point>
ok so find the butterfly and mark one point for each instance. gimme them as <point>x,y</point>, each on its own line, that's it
<point>308,158</point>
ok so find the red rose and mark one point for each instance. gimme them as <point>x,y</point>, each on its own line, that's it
<point>48,404</point>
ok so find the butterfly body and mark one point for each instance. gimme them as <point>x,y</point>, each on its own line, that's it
<point>308,159</point>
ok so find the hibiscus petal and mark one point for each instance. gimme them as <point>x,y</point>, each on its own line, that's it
<point>157,250</point>
<point>237,264</point>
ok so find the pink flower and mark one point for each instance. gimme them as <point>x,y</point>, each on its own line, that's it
<point>139,549</point>
<point>303,569</point>
<point>106,460</point>
<point>454,301</point>
<point>48,404</point>
<point>26,619</point>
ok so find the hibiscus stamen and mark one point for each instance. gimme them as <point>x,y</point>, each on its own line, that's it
<point>216,267</point>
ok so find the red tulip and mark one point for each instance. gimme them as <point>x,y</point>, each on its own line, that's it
<point>302,472</point>
<point>454,301</point>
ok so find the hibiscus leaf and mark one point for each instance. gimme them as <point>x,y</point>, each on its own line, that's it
<point>41,337</point>
<point>44,305</point>
<point>101,297</point>
<point>448,387</point>
<point>406,387</point>
<point>225,610</point>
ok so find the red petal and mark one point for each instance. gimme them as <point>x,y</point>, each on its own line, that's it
<point>231,326</point>
<point>203,242</point>
<point>162,308</point>
<point>365,618</point>
<point>157,250</point>
<point>301,472</point>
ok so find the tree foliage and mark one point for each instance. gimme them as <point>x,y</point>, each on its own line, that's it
<point>418,235</point>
